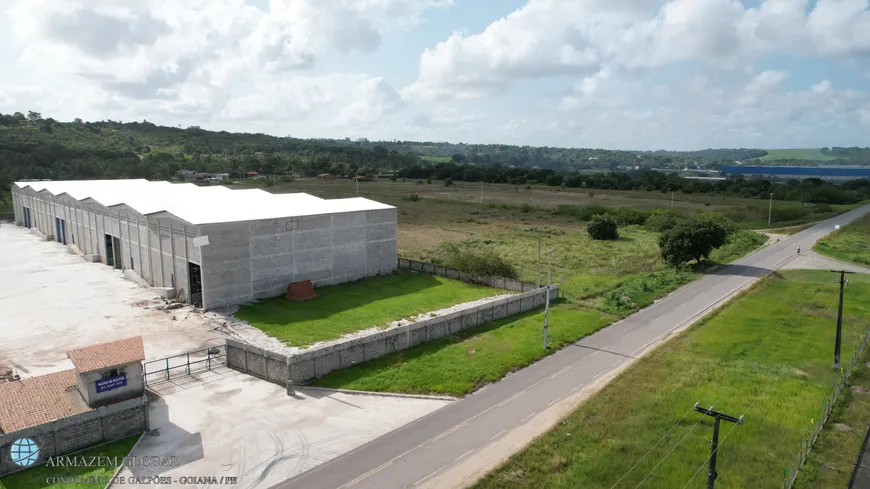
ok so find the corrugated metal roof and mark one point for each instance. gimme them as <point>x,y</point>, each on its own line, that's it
<point>201,205</point>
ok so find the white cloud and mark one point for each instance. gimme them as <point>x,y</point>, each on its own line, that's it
<point>547,37</point>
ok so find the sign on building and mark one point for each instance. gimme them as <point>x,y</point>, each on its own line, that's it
<point>111,383</point>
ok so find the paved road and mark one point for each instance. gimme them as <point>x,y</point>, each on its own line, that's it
<point>418,452</point>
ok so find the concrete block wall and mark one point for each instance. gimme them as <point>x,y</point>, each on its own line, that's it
<point>75,433</point>
<point>309,365</point>
<point>258,259</point>
<point>497,282</point>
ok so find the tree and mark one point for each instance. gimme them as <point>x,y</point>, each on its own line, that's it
<point>380,151</point>
<point>691,240</point>
<point>603,227</point>
<point>448,182</point>
<point>33,116</point>
<point>457,157</point>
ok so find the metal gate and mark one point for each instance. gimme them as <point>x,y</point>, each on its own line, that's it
<point>166,369</point>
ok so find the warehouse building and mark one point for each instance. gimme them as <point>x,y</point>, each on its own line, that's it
<point>797,172</point>
<point>211,245</point>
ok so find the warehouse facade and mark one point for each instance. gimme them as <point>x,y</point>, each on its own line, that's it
<point>211,245</point>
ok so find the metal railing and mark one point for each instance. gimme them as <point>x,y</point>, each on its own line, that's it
<point>165,369</point>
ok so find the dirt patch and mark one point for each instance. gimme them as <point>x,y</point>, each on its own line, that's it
<point>416,237</point>
<point>860,389</point>
<point>843,428</point>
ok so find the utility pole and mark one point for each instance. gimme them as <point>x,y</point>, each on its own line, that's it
<point>547,299</point>
<point>839,318</point>
<point>539,260</point>
<point>770,209</point>
<point>711,472</point>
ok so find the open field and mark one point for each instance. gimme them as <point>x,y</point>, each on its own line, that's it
<point>832,459</point>
<point>767,355</point>
<point>346,308</point>
<point>850,244</point>
<point>459,364</point>
<point>35,477</point>
<point>809,154</point>
<point>437,159</point>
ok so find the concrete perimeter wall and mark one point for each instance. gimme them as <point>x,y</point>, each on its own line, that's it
<point>498,282</point>
<point>312,364</point>
<point>68,435</point>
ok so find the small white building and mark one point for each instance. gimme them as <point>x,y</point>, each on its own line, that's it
<point>212,245</point>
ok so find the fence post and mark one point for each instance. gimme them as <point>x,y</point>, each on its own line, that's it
<point>167,368</point>
<point>188,364</point>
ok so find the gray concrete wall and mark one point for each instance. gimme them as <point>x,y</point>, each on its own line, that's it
<point>310,365</point>
<point>497,282</point>
<point>252,260</point>
<point>68,435</point>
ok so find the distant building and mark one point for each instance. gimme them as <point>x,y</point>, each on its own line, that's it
<point>326,176</point>
<point>362,178</point>
<point>797,172</point>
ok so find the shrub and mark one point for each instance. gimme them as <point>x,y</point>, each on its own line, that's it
<point>429,180</point>
<point>691,240</point>
<point>629,216</point>
<point>479,263</point>
<point>592,194</point>
<point>448,182</point>
<point>393,178</point>
<point>661,220</point>
<point>712,216</point>
<point>411,198</point>
<point>602,227</point>
<point>419,182</point>
<point>526,207</point>
<point>286,178</point>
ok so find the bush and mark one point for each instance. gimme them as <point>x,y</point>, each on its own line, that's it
<point>286,178</point>
<point>429,180</point>
<point>419,182</point>
<point>602,227</point>
<point>629,216</point>
<point>411,198</point>
<point>526,207</point>
<point>479,263</point>
<point>448,182</point>
<point>393,178</point>
<point>661,220</point>
<point>691,240</point>
<point>712,216</point>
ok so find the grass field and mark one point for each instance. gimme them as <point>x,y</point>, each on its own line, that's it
<point>437,159</point>
<point>832,459</point>
<point>459,364</point>
<point>341,309</point>
<point>35,477</point>
<point>850,244</point>
<point>755,357</point>
<point>808,154</point>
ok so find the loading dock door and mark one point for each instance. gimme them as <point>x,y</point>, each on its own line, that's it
<point>194,273</point>
<point>116,248</point>
<point>57,234</point>
<point>63,231</point>
<point>110,251</point>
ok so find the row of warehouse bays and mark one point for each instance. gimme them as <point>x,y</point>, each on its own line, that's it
<point>212,246</point>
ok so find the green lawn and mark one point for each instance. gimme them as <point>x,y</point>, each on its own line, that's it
<point>832,459</point>
<point>341,309</point>
<point>472,358</point>
<point>35,477</point>
<point>851,243</point>
<point>437,159</point>
<point>809,154</point>
<point>754,357</point>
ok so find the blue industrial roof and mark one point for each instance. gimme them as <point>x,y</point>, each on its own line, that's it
<point>800,171</point>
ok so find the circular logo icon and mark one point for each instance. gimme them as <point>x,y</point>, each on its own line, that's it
<point>25,452</point>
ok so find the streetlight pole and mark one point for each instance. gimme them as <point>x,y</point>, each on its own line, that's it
<point>547,298</point>
<point>770,209</point>
<point>539,260</point>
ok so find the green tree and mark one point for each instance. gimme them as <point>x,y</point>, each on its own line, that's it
<point>692,240</point>
<point>603,227</point>
<point>448,182</point>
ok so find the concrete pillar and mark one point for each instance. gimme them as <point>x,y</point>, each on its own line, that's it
<point>172,274</point>
<point>150,254</point>
<point>129,237</point>
<point>139,245</point>
<point>88,211</point>
<point>160,249</point>
<point>186,264</point>
<point>103,218</point>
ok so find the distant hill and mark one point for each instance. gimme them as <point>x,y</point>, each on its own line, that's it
<point>809,154</point>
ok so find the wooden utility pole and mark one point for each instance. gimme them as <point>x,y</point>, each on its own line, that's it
<point>711,472</point>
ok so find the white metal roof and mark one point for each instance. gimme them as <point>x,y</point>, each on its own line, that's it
<point>201,205</point>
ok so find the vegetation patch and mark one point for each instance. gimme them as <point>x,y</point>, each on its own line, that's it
<point>756,357</point>
<point>341,309</point>
<point>850,244</point>
<point>472,358</point>
<point>36,477</point>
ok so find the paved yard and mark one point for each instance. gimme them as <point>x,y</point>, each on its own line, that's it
<point>52,301</point>
<point>226,423</point>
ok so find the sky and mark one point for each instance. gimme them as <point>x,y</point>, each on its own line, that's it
<point>616,74</point>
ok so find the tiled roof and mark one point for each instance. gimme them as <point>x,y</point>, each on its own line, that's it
<point>36,400</point>
<point>98,357</point>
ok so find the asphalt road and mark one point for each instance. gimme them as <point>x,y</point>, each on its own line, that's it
<point>418,452</point>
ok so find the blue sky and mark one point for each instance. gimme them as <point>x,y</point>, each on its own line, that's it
<point>634,74</point>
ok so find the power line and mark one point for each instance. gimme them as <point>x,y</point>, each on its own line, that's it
<point>769,335</point>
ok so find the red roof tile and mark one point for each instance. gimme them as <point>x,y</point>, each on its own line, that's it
<point>99,357</point>
<point>36,400</point>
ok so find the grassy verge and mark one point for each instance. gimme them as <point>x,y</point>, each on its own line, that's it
<point>850,244</point>
<point>459,364</point>
<point>341,309</point>
<point>35,477</point>
<point>832,459</point>
<point>753,357</point>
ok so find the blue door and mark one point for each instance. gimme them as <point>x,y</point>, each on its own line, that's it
<point>63,230</point>
<point>57,229</point>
